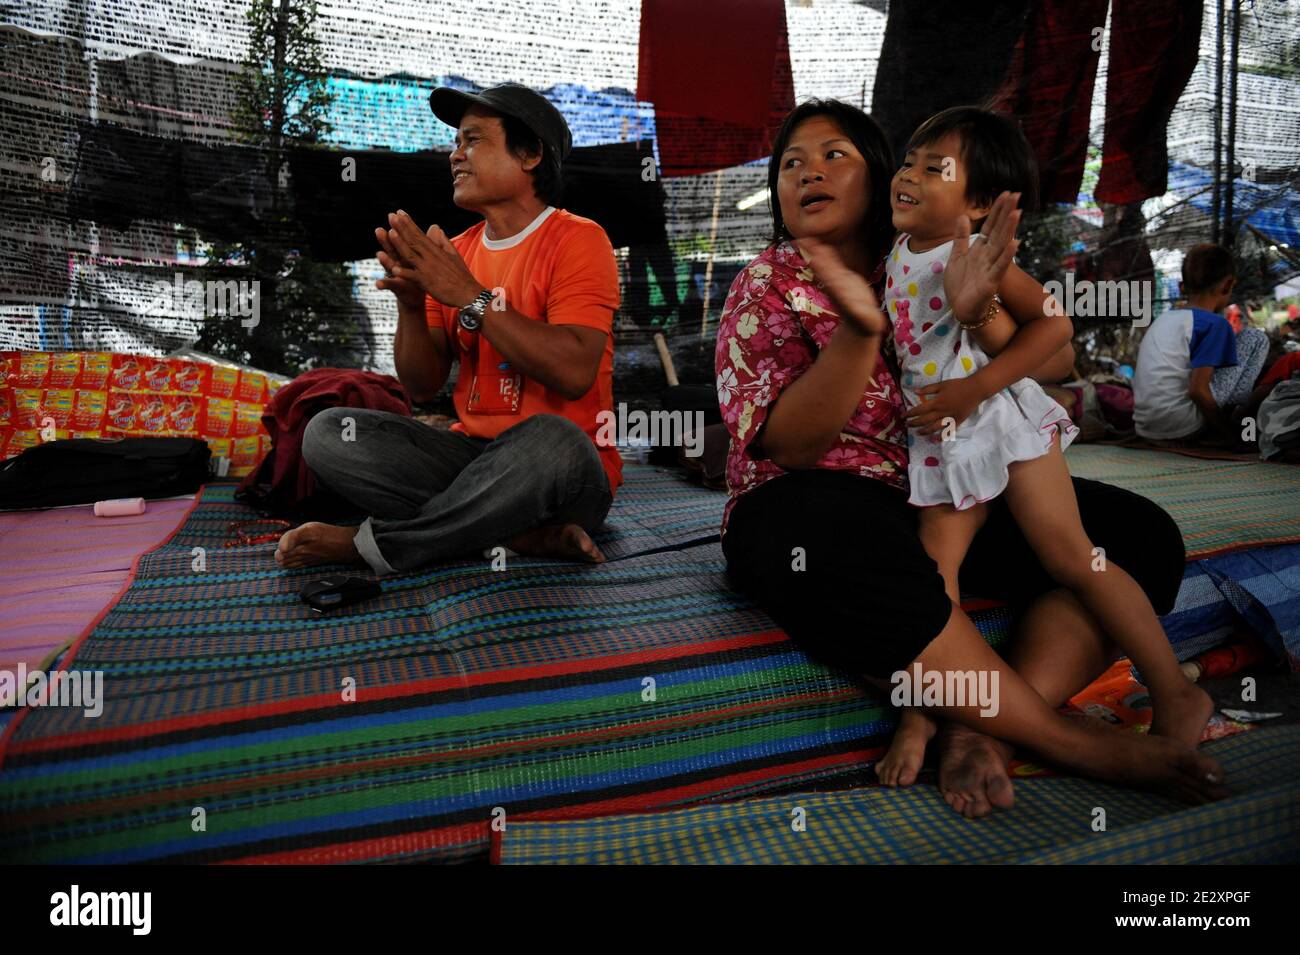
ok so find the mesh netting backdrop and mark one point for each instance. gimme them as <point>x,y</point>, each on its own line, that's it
<point>121,159</point>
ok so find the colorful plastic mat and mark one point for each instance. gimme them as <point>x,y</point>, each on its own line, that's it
<point>1054,820</point>
<point>395,730</point>
<point>1220,506</point>
<point>656,508</point>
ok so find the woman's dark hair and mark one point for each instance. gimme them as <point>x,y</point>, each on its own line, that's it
<point>994,151</point>
<point>870,140</point>
<point>548,182</point>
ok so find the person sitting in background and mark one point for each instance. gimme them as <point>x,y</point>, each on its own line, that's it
<point>1192,370</point>
<point>1286,367</point>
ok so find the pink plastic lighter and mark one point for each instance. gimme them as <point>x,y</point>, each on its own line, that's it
<point>120,507</point>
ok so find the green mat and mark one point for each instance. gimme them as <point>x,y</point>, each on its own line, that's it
<point>1052,822</point>
<point>1220,506</point>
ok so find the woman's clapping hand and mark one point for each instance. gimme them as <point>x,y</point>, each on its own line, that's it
<point>858,304</point>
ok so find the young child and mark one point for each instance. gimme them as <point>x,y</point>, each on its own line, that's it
<point>977,433</point>
<point>1192,368</point>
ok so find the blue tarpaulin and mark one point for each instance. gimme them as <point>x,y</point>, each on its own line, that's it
<point>1272,208</point>
<point>394,113</point>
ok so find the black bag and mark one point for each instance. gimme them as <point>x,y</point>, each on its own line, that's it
<point>86,470</point>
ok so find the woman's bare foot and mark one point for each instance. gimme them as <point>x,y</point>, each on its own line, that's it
<point>1144,761</point>
<point>569,541</point>
<point>901,764</point>
<point>314,543</point>
<point>973,772</point>
<point>1183,715</point>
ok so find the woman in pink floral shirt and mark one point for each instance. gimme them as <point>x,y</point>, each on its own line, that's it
<point>817,528</point>
<point>775,322</point>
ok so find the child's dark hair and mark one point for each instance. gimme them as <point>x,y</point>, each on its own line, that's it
<point>1205,266</point>
<point>995,153</point>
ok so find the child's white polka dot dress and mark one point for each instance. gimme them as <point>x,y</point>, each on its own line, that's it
<point>1016,424</point>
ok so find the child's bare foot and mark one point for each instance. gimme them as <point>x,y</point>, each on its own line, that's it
<point>973,772</point>
<point>558,540</point>
<point>906,753</point>
<point>315,543</point>
<point>1182,716</point>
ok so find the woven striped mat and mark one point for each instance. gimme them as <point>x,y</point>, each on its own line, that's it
<point>1220,506</point>
<point>1052,822</point>
<point>657,508</point>
<point>397,729</point>
<point>237,725</point>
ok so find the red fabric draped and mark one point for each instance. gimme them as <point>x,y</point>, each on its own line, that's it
<point>283,484</point>
<point>1049,85</point>
<point>1154,47</point>
<point>719,76</point>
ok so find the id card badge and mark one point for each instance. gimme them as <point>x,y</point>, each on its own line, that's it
<point>498,391</point>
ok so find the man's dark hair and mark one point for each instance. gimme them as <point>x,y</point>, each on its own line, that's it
<point>1205,266</point>
<point>994,151</point>
<point>548,182</point>
<point>870,140</point>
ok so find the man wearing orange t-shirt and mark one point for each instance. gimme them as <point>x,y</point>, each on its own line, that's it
<point>524,301</point>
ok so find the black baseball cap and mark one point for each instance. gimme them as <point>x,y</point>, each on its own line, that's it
<point>530,108</point>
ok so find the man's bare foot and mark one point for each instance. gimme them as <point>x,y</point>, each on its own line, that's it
<point>569,541</point>
<point>315,543</point>
<point>973,772</point>
<point>1183,716</point>
<point>907,750</point>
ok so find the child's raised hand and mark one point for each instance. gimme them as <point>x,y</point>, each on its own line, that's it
<point>974,272</point>
<point>850,290</point>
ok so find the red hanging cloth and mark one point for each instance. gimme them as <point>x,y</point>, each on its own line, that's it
<point>719,76</point>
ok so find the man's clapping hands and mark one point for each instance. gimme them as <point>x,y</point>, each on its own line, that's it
<point>420,263</point>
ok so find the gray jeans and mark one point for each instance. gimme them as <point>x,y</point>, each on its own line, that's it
<point>433,495</point>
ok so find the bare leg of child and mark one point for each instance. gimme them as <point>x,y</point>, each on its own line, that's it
<point>1041,498</point>
<point>946,534</point>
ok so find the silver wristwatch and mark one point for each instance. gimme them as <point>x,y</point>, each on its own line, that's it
<point>471,316</point>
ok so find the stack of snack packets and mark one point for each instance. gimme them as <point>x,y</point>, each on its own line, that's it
<point>50,395</point>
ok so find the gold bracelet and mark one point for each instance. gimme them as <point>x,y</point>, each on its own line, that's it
<point>990,313</point>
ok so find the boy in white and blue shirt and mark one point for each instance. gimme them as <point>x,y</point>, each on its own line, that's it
<point>1192,369</point>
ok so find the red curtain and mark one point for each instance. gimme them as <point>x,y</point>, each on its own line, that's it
<point>719,76</point>
<point>1049,86</point>
<point>1154,46</point>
